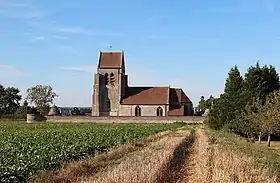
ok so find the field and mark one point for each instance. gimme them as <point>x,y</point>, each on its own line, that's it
<point>28,149</point>
<point>149,153</point>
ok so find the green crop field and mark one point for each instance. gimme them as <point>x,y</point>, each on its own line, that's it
<point>28,149</point>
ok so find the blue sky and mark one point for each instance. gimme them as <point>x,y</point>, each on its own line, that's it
<point>190,44</point>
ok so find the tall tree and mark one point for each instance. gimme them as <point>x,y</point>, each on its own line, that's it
<point>9,100</point>
<point>42,97</point>
<point>201,104</point>
<point>259,82</point>
<point>271,79</point>
<point>228,107</point>
<point>232,95</point>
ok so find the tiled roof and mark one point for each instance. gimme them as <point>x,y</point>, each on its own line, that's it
<point>111,60</point>
<point>178,111</point>
<point>146,96</point>
<point>184,97</point>
<point>177,95</point>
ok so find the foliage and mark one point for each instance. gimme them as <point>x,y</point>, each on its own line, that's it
<point>205,104</point>
<point>259,82</point>
<point>229,105</point>
<point>75,111</point>
<point>229,112</point>
<point>41,96</point>
<point>9,100</point>
<point>266,117</point>
<point>262,156</point>
<point>28,149</point>
<point>22,111</point>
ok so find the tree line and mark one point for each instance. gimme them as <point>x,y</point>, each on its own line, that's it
<point>38,100</point>
<point>249,105</point>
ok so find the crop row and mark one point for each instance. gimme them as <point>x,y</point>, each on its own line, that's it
<point>28,149</point>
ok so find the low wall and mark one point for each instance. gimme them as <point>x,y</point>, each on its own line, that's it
<point>92,119</point>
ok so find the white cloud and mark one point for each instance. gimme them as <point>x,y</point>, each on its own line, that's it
<point>78,30</point>
<point>39,38</point>
<point>170,37</point>
<point>82,30</point>
<point>5,67</point>
<point>20,10</point>
<point>89,68</point>
<point>58,37</point>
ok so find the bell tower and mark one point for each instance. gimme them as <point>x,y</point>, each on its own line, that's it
<point>110,82</point>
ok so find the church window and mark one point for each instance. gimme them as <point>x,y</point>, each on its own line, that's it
<point>108,105</point>
<point>137,111</point>
<point>106,77</point>
<point>159,111</point>
<point>112,78</point>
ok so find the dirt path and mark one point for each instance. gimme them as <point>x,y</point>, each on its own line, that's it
<point>196,168</point>
<point>151,164</point>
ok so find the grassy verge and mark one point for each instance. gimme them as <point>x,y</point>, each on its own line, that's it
<point>234,159</point>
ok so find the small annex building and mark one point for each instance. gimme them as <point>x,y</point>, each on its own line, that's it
<point>113,97</point>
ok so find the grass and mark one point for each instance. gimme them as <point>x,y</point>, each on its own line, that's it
<point>235,159</point>
<point>157,162</point>
<point>274,145</point>
<point>29,149</point>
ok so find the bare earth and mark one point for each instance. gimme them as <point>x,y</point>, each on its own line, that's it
<point>144,166</point>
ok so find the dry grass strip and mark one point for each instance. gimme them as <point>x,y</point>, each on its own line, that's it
<point>218,163</point>
<point>143,166</point>
<point>196,167</point>
<point>72,172</point>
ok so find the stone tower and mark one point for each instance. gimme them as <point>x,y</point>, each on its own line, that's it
<point>110,82</point>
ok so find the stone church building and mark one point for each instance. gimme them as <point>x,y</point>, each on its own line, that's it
<point>113,97</point>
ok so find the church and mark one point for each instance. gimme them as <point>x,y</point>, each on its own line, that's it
<point>113,97</point>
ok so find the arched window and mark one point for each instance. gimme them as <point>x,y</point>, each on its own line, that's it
<point>112,78</point>
<point>106,77</point>
<point>137,111</point>
<point>159,111</point>
<point>108,105</point>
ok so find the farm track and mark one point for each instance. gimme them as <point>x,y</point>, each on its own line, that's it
<point>72,172</point>
<point>197,164</point>
<point>155,163</point>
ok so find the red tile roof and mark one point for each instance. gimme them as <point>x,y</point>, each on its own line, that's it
<point>111,60</point>
<point>177,95</point>
<point>178,111</point>
<point>146,96</point>
<point>184,97</point>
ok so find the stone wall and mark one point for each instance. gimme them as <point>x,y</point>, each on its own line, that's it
<point>146,110</point>
<point>152,119</point>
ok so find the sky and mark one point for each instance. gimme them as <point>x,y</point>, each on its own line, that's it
<point>190,44</point>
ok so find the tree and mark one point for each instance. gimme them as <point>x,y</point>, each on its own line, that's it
<point>259,82</point>
<point>229,105</point>
<point>41,96</point>
<point>266,116</point>
<point>9,100</point>
<point>205,104</point>
<point>271,78</point>
<point>201,104</point>
<point>75,111</point>
<point>22,112</point>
